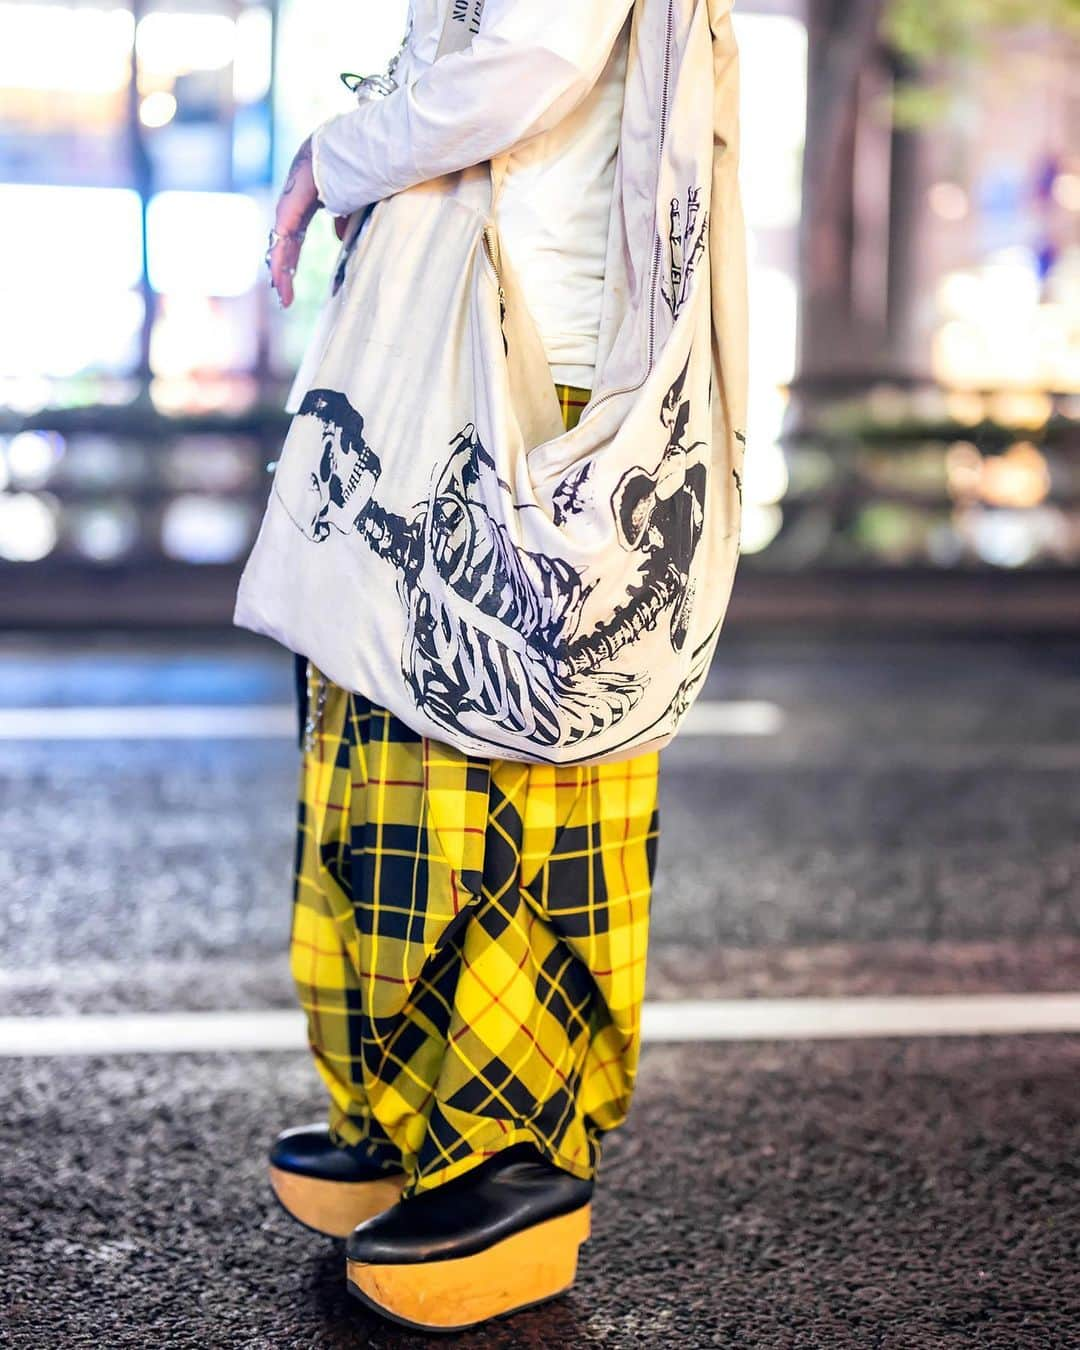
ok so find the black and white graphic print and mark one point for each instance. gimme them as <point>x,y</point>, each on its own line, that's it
<point>494,630</point>
<point>687,239</point>
<point>340,484</point>
<point>569,498</point>
<point>660,516</point>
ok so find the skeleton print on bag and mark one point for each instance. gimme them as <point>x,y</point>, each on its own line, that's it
<point>686,247</point>
<point>568,499</point>
<point>493,630</point>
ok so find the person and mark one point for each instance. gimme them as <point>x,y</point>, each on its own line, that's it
<point>469,935</point>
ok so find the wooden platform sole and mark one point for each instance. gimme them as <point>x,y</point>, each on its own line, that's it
<point>333,1208</point>
<point>522,1270</point>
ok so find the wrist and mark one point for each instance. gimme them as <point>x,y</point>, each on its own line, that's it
<point>323,176</point>
<point>317,167</point>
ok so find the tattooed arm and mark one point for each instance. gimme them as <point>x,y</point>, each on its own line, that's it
<point>297,204</point>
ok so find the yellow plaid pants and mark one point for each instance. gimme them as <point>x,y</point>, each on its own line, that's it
<point>468,939</point>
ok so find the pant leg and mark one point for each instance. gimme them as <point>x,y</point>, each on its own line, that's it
<point>379,902</point>
<point>323,948</point>
<point>542,1035</point>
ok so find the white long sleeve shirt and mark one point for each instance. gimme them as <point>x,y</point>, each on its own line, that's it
<point>546,80</point>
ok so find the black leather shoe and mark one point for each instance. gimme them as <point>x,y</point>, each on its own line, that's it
<point>502,1237</point>
<point>328,1188</point>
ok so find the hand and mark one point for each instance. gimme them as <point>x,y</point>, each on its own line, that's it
<point>296,206</point>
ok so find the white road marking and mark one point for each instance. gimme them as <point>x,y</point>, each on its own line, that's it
<point>747,717</point>
<point>743,721</point>
<point>741,717</point>
<point>149,723</point>
<point>151,1033</point>
<point>763,1019</point>
<point>759,1019</point>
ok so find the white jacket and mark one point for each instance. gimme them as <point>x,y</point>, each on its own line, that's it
<point>526,69</point>
<point>555,202</point>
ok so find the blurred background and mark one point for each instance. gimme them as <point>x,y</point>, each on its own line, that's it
<point>877,799</point>
<point>914,208</point>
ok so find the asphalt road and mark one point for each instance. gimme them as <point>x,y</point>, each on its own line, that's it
<point>914,826</point>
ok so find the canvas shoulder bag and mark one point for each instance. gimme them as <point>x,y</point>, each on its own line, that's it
<point>434,538</point>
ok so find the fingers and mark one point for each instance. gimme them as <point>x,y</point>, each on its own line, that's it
<point>283,258</point>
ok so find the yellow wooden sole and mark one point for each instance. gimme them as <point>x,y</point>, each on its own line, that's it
<point>527,1268</point>
<point>334,1207</point>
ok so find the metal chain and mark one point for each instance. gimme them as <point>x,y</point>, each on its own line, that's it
<point>375,86</point>
<point>313,721</point>
<point>391,69</point>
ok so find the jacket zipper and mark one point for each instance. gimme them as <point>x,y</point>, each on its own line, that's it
<point>492,251</point>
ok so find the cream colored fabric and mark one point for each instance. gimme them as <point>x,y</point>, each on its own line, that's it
<point>435,539</point>
<point>555,204</point>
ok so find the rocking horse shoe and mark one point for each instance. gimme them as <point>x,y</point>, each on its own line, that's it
<point>326,1187</point>
<point>503,1237</point>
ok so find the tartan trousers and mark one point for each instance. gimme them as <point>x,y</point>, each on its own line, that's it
<point>468,938</point>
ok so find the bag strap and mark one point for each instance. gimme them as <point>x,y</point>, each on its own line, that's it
<point>460,27</point>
